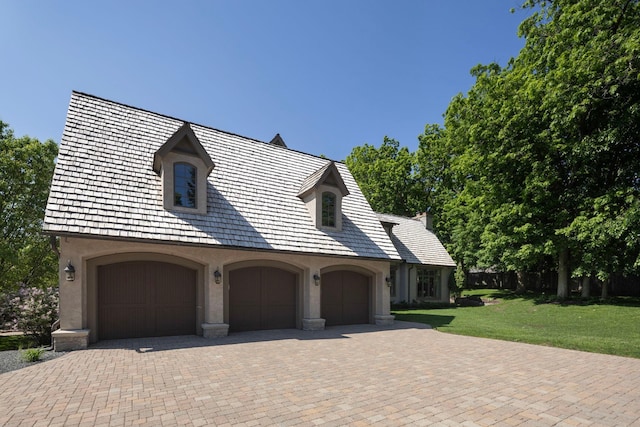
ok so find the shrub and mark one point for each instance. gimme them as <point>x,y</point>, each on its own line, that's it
<point>34,311</point>
<point>459,282</point>
<point>31,354</point>
<point>7,311</point>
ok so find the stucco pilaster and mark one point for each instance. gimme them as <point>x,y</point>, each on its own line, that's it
<point>213,295</point>
<point>313,291</point>
<point>444,284</point>
<point>72,293</point>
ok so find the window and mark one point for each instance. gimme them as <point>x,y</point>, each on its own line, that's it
<point>184,185</point>
<point>428,283</point>
<point>328,209</point>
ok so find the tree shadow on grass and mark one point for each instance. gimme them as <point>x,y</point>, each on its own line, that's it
<point>545,298</point>
<point>434,320</point>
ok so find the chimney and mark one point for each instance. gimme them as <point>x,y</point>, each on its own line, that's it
<point>426,219</point>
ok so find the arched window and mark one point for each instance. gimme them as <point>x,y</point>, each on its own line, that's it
<point>184,185</point>
<point>328,209</point>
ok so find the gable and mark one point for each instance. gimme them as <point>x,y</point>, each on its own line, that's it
<point>277,140</point>
<point>326,175</point>
<point>182,141</point>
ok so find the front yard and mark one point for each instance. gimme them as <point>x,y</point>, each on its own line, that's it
<point>609,327</point>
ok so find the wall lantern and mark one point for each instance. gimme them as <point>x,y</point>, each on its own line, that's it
<point>70,271</point>
<point>217,276</point>
<point>388,280</point>
<point>316,279</point>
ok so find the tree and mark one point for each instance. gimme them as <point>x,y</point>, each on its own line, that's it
<point>26,169</point>
<point>384,175</point>
<point>546,149</point>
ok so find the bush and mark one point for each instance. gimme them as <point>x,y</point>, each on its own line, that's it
<point>33,310</point>
<point>459,282</point>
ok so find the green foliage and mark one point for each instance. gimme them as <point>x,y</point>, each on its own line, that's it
<point>603,327</point>
<point>15,342</point>
<point>545,151</point>
<point>537,165</point>
<point>31,354</point>
<point>26,169</point>
<point>384,175</point>
<point>460,279</point>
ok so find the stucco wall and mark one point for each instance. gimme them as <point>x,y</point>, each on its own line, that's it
<point>78,299</point>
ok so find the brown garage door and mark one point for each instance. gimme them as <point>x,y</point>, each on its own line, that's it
<point>262,298</point>
<point>146,299</point>
<point>345,298</point>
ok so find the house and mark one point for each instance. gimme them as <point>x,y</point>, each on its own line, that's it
<point>423,274</point>
<point>168,227</point>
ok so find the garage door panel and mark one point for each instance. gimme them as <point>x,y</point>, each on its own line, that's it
<point>145,298</point>
<point>345,298</point>
<point>174,320</point>
<point>125,322</point>
<point>262,298</point>
<point>355,288</point>
<point>126,286</point>
<point>169,286</point>
<point>244,318</point>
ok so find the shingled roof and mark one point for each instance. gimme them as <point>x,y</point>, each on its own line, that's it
<point>104,186</point>
<point>416,244</point>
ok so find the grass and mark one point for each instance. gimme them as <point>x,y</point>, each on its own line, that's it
<point>609,327</point>
<point>15,342</point>
<point>32,354</point>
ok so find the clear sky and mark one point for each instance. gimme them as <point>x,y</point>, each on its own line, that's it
<point>326,75</point>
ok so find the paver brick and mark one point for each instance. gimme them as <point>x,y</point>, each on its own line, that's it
<point>353,375</point>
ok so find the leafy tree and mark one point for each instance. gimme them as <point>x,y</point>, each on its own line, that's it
<point>385,177</point>
<point>546,149</point>
<point>26,168</point>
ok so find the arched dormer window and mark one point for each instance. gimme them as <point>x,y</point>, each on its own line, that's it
<point>322,192</point>
<point>328,209</point>
<point>185,185</point>
<point>183,166</point>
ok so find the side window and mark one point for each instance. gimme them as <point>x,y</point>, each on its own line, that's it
<point>184,185</point>
<point>328,209</point>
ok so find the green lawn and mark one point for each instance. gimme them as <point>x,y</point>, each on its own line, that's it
<point>611,327</point>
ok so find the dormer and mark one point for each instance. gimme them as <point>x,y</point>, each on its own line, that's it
<point>184,165</point>
<point>322,192</point>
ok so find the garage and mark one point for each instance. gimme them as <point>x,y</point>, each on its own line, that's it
<point>146,299</point>
<point>345,298</point>
<point>262,298</point>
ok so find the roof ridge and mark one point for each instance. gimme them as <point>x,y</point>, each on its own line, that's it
<point>197,124</point>
<point>396,215</point>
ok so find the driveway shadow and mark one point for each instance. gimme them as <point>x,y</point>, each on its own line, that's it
<point>155,344</point>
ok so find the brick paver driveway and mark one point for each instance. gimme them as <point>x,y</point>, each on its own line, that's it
<point>359,375</point>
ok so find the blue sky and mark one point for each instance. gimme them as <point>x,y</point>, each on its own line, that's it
<point>326,75</point>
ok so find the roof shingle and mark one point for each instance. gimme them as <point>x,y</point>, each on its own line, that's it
<point>416,244</point>
<point>104,185</point>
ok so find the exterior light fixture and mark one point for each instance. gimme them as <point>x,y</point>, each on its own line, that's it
<point>217,276</point>
<point>388,280</point>
<point>70,271</point>
<point>316,279</point>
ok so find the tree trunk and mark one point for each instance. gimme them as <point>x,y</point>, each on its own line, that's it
<point>605,289</point>
<point>586,287</point>
<point>563,274</point>
<point>521,286</point>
